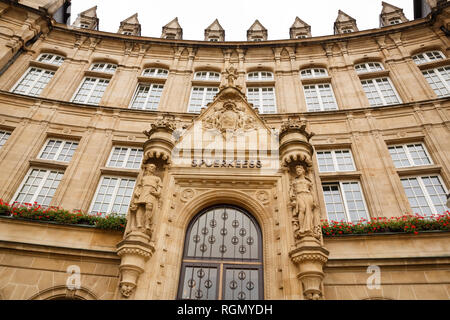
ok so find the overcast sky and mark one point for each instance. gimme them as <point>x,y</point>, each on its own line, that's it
<point>236,16</point>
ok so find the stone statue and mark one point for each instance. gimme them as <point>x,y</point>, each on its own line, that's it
<point>306,217</point>
<point>145,201</point>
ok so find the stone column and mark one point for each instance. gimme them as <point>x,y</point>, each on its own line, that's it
<point>308,252</point>
<point>138,244</point>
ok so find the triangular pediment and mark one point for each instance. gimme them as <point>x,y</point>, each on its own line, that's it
<point>257,26</point>
<point>131,20</point>
<point>173,24</point>
<point>92,12</point>
<point>299,23</point>
<point>343,17</point>
<point>389,8</point>
<point>228,127</point>
<point>215,26</point>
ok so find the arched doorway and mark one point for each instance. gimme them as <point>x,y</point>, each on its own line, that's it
<point>222,257</point>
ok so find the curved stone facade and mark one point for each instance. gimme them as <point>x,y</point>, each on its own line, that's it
<point>268,82</point>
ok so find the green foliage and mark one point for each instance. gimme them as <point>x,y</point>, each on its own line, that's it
<point>55,214</point>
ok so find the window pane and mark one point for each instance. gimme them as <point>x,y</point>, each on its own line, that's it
<point>34,81</point>
<point>4,135</point>
<point>113,196</point>
<point>39,186</point>
<point>334,202</point>
<point>241,284</point>
<point>199,283</point>
<point>354,198</point>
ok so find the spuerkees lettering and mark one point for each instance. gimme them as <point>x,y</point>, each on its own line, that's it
<point>218,163</point>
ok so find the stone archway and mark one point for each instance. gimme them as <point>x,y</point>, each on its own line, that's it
<point>63,293</point>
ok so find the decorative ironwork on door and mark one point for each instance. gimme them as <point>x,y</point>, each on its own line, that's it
<point>222,256</point>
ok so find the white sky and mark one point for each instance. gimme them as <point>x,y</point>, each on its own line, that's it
<point>236,16</point>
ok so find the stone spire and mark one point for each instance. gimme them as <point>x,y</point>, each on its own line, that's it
<point>130,26</point>
<point>299,29</point>
<point>344,23</point>
<point>172,30</point>
<point>257,32</point>
<point>87,19</point>
<point>391,15</point>
<point>215,32</point>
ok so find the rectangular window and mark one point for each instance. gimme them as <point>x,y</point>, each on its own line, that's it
<point>147,97</point>
<point>410,155</point>
<point>51,59</point>
<point>426,194</point>
<point>319,97</point>
<point>335,160</point>
<point>113,195</point>
<point>34,81</point>
<point>263,99</point>
<point>200,97</point>
<point>39,186</point>
<point>4,135</point>
<point>439,80</point>
<point>91,91</point>
<point>123,157</point>
<point>344,201</point>
<point>58,150</point>
<point>380,92</point>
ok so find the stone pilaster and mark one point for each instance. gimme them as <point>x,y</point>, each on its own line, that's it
<point>138,245</point>
<point>308,252</point>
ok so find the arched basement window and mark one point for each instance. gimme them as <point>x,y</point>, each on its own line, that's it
<point>222,256</point>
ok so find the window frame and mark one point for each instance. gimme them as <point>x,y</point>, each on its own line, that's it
<point>260,77</point>
<point>344,198</point>
<point>40,187</point>
<point>127,156</point>
<point>427,59</point>
<point>367,67</point>
<point>86,101</point>
<point>61,147</point>
<point>424,190</point>
<point>408,154</point>
<point>3,134</point>
<point>208,75</point>
<point>319,97</point>
<point>156,73</point>
<point>313,73</point>
<point>113,195</point>
<point>379,91</point>
<point>334,159</point>
<point>43,70</point>
<point>260,95</point>
<point>440,77</point>
<point>204,105</point>
<point>107,65</point>
<point>151,85</point>
<point>53,58</point>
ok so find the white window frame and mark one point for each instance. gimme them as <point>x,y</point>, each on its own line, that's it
<point>127,156</point>
<point>97,80</point>
<point>204,104</point>
<point>348,30</point>
<point>157,73</point>
<point>441,78</point>
<point>335,162</point>
<point>408,154</point>
<point>213,39</point>
<point>315,73</point>
<point>260,95</point>
<point>368,68</point>
<point>344,198</point>
<point>4,136</point>
<point>84,25</point>
<point>107,67</point>
<point>53,57</point>
<point>427,59</point>
<point>379,91</point>
<point>34,83</point>
<point>113,195</point>
<point>152,85</point>
<point>61,147</point>
<point>424,189</point>
<point>301,36</point>
<point>260,76</point>
<point>127,33</point>
<point>208,75</point>
<point>39,188</point>
<point>319,97</point>
<point>394,21</point>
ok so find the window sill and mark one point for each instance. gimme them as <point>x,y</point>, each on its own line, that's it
<point>339,176</point>
<point>142,79</point>
<point>419,170</point>
<point>373,75</point>
<point>434,64</point>
<point>43,65</point>
<point>97,74</point>
<point>49,164</point>
<point>318,80</point>
<point>120,172</point>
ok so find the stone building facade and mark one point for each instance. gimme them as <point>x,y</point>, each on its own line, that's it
<point>225,157</point>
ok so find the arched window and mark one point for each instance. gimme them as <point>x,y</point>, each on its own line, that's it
<point>222,256</point>
<point>368,67</point>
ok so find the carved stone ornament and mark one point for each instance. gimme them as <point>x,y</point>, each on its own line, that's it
<point>294,144</point>
<point>162,124</point>
<point>160,141</point>
<point>303,205</point>
<point>228,117</point>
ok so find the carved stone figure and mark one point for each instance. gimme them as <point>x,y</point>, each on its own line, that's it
<point>127,289</point>
<point>145,201</point>
<point>303,204</point>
